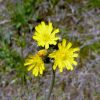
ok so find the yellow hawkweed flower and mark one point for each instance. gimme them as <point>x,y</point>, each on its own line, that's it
<point>64,57</point>
<point>42,53</point>
<point>45,35</point>
<point>36,64</point>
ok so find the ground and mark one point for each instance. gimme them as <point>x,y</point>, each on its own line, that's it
<point>78,22</point>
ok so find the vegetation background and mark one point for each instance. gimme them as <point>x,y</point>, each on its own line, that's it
<point>78,21</point>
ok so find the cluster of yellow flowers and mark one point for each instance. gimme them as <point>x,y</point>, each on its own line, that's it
<point>64,57</point>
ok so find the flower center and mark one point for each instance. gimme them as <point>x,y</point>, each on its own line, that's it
<point>62,55</point>
<point>46,37</point>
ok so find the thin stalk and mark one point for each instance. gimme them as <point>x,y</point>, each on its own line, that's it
<point>51,85</point>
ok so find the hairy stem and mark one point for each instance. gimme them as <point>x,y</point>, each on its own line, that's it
<point>51,85</point>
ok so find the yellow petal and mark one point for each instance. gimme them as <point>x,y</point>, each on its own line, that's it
<point>43,24</point>
<point>50,27</point>
<point>71,68</point>
<point>64,43</point>
<point>69,45</point>
<point>74,62</point>
<point>54,66</point>
<point>55,31</point>
<point>76,49</point>
<point>75,55</point>
<point>46,46</point>
<point>30,67</point>
<point>35,72</point>
<point>28,63</point>
<point>59,45</point>
<point>60,69</point>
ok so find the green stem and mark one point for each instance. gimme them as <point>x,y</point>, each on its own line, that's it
<point>51,85</point>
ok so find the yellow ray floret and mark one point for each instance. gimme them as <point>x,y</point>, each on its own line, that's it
<point>45,35</point>
<point>64,57</point>
<point>36,64</point>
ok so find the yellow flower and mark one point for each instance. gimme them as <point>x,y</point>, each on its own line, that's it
<point>42,53</point>
<point>45,35</point>
<point>36,64</point>
<point>65,56</point>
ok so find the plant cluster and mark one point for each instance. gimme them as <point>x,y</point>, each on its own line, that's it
<point>64,56</point>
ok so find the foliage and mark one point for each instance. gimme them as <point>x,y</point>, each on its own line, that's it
<point>94,3</point>
<point>10,56</point>
<point>22,12</point>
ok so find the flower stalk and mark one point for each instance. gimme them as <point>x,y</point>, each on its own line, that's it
<point>51,85</point>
